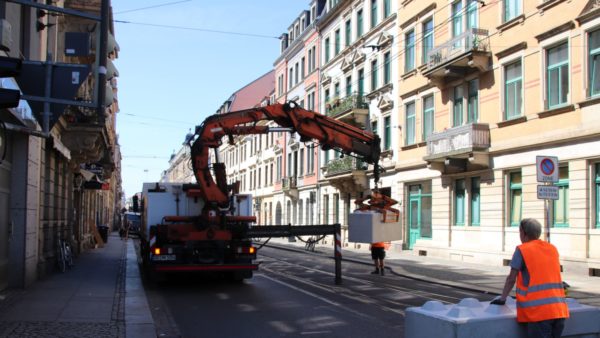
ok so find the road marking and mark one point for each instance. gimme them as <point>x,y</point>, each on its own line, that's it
<point>300,290</point>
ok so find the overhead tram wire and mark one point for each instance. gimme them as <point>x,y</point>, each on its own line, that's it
<point>151,7</point>
<point>206,30</point>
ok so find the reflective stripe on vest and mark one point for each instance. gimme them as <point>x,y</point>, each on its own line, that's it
<point>544,297</point>
<point>540,287</point>
<point>543,301</point>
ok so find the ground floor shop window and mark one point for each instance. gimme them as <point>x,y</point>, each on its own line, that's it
<point>597,183</point>
<point>515,200</point>
<point>459,202</point>
<point>475,201</point>
<point>419,212</point>
<point>561,206</point>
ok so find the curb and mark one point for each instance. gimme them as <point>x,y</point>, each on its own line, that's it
<point>138,318</point>
<point>403,273</point>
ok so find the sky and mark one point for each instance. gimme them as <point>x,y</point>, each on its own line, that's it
<point>171,79</point>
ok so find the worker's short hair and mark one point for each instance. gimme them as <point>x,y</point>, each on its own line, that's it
<point>531,228</point>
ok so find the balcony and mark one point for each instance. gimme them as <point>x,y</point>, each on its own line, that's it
<point>289,186</point>
<point>459,149</point>
<point>464,54</point>
<point>347,174</point>
<point>351,109</point>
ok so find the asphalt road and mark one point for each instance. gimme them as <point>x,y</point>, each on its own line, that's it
<point>292,295</point>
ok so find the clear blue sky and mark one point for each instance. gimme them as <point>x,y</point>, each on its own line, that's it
<point>172,79</point>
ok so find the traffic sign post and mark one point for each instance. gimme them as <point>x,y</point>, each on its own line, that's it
<point>547,169</point>
<point>547,173</point>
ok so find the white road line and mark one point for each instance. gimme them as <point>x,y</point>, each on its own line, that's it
<point>301,290</point>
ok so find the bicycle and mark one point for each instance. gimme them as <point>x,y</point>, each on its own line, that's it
<point>65,255</point>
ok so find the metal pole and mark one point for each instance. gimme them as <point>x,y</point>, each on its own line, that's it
<point>47,94</point>
<point>102,60</point>
<point>338,253</point>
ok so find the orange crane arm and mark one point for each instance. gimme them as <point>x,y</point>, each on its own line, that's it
<point>309,125</point>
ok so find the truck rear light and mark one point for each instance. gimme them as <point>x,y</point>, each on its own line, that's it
<point>157,251</point>
<point>246,250</point>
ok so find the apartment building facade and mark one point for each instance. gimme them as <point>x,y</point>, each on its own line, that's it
<point>487,86</point>
<point>60,171</point>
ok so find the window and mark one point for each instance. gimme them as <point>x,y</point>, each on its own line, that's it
<point>457,109</point>
<point>348,33</point>
<point>410,123</point>
<point>594,63</point>
<point>512,8</point>
<point>310,66</point>
<point>457,24</point>
<point>557,76</point>
<point>336,90</point>
<point>327,50</point>
<point>302,70</point>
<point>374,79</point>
<point>387,133</point>
<point>361,82</point>
<point>561,206</point>
<point>301,170</point>
<point>428,116</point>
<point>310,158</point>
<point>348,86</point>
<point>472,14</point>
<point>459,202</point>
<point>513,90</point>
<point>327,99</point>
<point>475,201</point>
<point>297,77</point>
<point>374,127</point>
<point>373,13</point>
<point>387,8</point>
<point>325,209</point>
<point>359,24</point>
<point>427,39</point>
<point>338,42</point>
<point>336,208</point>
<point>409,51</point>
<point>387,68</point>
<point>473,102</point>
<point>516,200</point>
<point>291,78</point>
<point>597,182</point>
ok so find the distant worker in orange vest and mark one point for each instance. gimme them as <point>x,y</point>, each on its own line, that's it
<point>378,254</point>
<point>535,268</point>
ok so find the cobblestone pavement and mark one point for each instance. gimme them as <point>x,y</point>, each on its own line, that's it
<point>103,327</point>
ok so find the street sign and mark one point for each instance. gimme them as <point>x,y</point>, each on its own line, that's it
<point>547,192</point>
<point>547,169</point>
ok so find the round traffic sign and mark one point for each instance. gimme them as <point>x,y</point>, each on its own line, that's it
<point>547,166</point>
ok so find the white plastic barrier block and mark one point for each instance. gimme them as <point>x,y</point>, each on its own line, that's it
<point>471,318</point>
<point>368,227</point>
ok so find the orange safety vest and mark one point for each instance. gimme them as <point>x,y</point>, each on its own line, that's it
<point>380,245</point>
<point>544,297</point>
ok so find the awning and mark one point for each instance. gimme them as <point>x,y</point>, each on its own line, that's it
<point>60,147</point>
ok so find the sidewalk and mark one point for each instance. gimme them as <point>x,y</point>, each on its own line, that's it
<point>483,278</point>
<point>101,296</point>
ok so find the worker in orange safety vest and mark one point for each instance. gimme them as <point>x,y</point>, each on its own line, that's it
<point>535,268</point>
<point>378,254</point>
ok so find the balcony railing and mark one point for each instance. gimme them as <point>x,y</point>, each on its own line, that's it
<point>344,165</point>
<point>289,183</point>
<point>474,39</point>
<point>336,107</point>
<point>458,141</point>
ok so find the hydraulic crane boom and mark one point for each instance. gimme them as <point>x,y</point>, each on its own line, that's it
<point>309,125</point>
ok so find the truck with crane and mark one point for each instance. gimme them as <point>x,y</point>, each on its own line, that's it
<point>209,226</point>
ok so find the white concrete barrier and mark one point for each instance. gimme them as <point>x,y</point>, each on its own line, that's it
<point>471,318</point>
